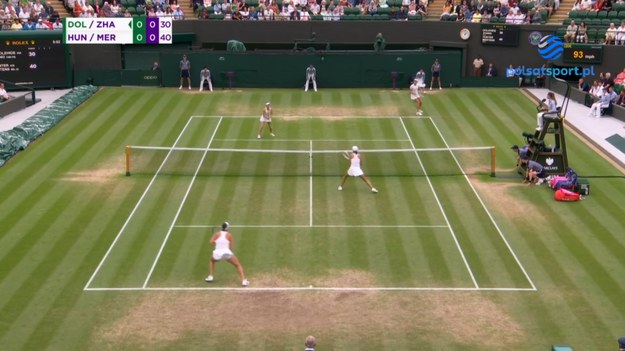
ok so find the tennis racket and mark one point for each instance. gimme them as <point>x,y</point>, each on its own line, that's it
<point>345,155</point>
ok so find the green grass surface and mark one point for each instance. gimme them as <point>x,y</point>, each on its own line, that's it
<point>91,260</point>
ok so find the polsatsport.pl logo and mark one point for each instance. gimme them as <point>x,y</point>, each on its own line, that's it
<point>550,71</point>
<point>550,47</point>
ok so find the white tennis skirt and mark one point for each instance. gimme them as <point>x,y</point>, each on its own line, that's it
<point>355,171</point>
<point>222,255</point>
<point>263,119</point>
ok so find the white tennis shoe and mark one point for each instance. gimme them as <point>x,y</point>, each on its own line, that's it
<point>374,190</point>
<point>245,282</point>
<point>273,135</point>
<point>209,279</point>
<point>340,188</point>
<point>258,136</point>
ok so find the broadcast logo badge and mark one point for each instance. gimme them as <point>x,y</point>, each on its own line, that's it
<point>550,47</point>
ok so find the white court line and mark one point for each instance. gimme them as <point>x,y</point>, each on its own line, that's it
<point>303,288</point>
<point>310,170</point>
<point>338,118</point>
<point>321,140</point>
<point>490,216</point>
<point>184,199</point>
<point>145,192</point>
<point>313,226</point>
<point>440,206</point>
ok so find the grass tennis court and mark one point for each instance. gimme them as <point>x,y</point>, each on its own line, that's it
<point>443,257</point>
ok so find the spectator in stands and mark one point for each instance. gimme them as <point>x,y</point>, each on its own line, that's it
<point>577,6</point>
<point>447,9</point>
<point>620,34</point>
<point>17,25</point>
<point>540,79</point>
<point>621,98</point>
<point>583,86</point>
<point>217,8</point>
<point>620,78</point>
<point>4,96</point>
<point>582,33</point>
<point>57,24</point>
<point>610,34</point>
<point>477,17</point>
<point>491,71</point>
<point>571,32</point>
<point>587,5</point>
<point>478,65</point>
<point>115,8</point>
<point>597,89</point>
<point>613,95</point>
<point>48,24</point>
<point>608,81</point>
<point>310,343</point>
<point>603,103</point>
<point>29,25</point>
<point>179,15</point>
<point>40,25</point>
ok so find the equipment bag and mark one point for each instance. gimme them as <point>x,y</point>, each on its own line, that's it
<point>566,195</point>
<point>555,180</point>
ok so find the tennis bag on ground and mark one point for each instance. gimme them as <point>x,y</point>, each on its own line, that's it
<point>566,195</point>
<point>555,180</point>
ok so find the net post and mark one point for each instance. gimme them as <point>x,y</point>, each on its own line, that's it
<point>127,160</point>
<point>492,161</point>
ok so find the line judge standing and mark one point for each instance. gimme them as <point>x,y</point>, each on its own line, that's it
<point>185,69</point>
<point>311,75</point>
<point>205,76</point>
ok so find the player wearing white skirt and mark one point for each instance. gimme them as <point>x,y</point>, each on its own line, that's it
<point>355,170</point>
<point>415,96</point>
<point>224,242</point>
<point>265,118</point>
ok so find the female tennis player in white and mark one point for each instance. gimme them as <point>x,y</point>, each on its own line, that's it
<point>354,170</point>
<point>415,96</point>
<point>224,242</point>
<point>265,118</point>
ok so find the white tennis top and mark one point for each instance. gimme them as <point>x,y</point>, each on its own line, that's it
<point>222,243</point>
<point>355,161</point>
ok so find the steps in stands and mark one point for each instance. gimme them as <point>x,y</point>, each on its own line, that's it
<point>435,10</point>
<point>562,13</point>
<point>60,8</point>
<point>187,8</point>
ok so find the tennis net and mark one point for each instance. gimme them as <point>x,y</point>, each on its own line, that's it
<point>184,161</point>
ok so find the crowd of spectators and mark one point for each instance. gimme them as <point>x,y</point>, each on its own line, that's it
<point>501,11</point>
<point>28,15</point>
<point>606,90</point>
<point>305,10</point>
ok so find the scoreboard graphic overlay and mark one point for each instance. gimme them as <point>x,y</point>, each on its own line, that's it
<point>135,30</point>
<point>33,60</point>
